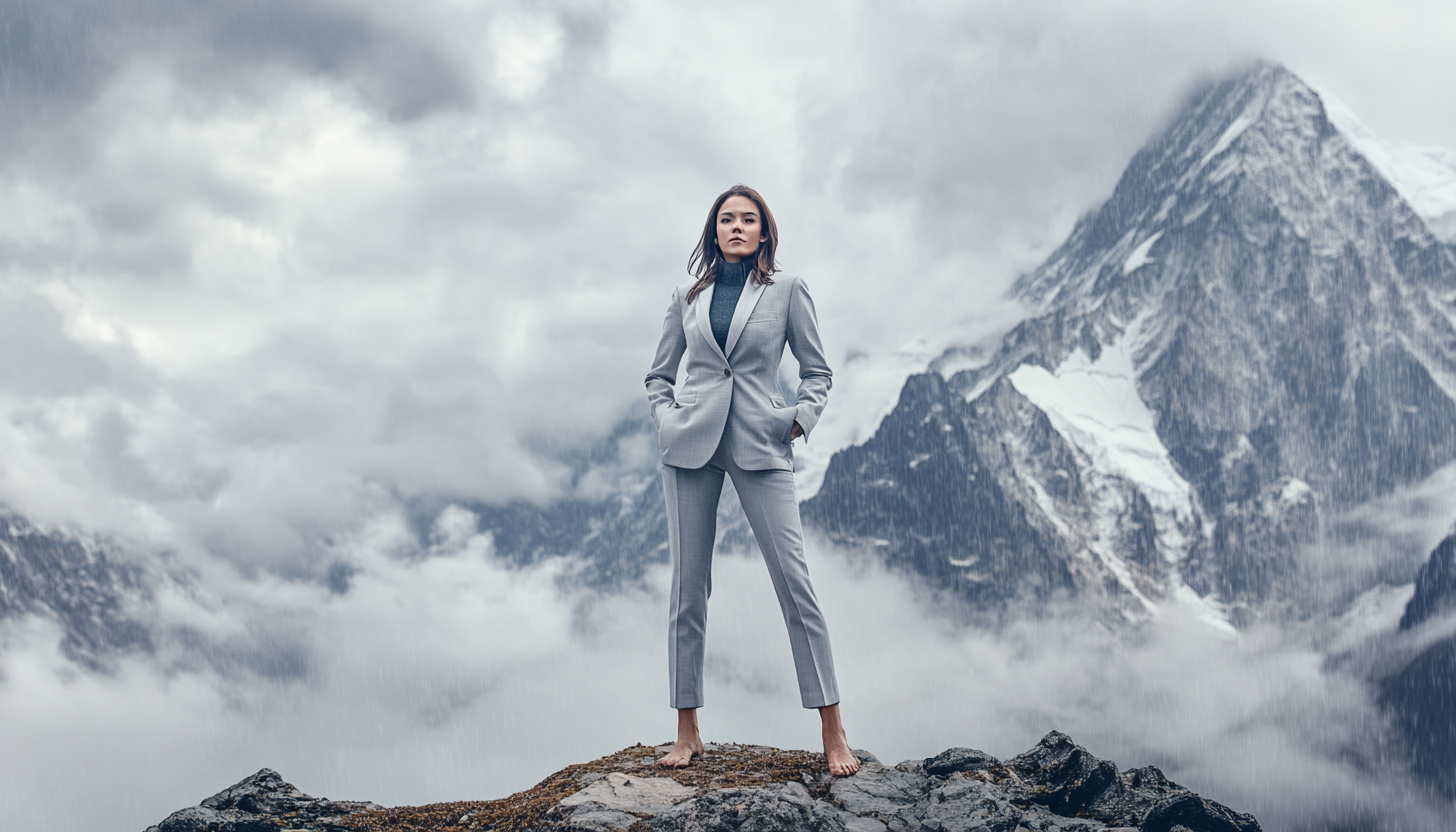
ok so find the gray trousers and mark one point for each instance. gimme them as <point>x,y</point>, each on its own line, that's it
<point>773,514</point>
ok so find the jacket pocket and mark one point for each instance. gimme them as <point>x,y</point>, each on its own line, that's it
<point>685,399</point>
<point>785,412</point>
<point>763,318</point>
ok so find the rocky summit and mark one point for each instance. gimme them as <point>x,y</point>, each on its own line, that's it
<point>262,803</point>
<point>1057,785</point>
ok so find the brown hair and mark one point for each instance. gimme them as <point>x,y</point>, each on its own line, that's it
<point>704,263</point>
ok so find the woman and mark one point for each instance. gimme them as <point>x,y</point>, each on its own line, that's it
<point>729,417</point>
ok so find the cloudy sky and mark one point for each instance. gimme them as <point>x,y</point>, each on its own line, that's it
<point>269,262</point>
<point>270,269</point>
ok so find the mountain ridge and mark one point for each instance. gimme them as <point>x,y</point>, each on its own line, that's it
<point>1282,344</point>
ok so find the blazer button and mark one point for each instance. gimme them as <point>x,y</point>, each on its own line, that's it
<point>727,372</point>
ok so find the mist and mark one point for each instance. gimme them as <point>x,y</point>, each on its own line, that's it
<point>443,674</point>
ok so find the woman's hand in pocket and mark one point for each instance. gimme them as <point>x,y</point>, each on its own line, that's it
<point>797,432</point>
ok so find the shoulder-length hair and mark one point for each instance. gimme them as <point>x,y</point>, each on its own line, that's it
<point>703,264</point>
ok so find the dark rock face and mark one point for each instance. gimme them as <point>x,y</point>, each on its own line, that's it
<point>936,492</point>
<point>1070,781</point>
<point>89,593</point>
<point>1420,697</point>
<point>1057,785</point>
<point>1191,812</point>
<point>262,803</point>
<point>1421,701</point>
<point>1069,777</point>
<point>616,534</point>
<point>1435,586</point>
<point>952,760</point>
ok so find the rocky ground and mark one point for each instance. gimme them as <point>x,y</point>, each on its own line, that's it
<point>1057,785</point>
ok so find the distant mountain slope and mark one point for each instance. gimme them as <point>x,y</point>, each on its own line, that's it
<point>612,519</point>
<point>91,594</point>
<point>1254,329</point>
<point>1421,695</point>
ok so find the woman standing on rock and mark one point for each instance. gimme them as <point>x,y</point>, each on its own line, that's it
<point>729,417</point>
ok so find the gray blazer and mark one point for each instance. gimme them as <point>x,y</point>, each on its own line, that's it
<point>737,393</point>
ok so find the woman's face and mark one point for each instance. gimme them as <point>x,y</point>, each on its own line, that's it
<point>739,228</point>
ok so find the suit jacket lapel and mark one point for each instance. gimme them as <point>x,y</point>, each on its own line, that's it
<point>746,301</point>
<point>704,302</point>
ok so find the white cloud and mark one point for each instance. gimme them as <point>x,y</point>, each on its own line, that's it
<point>526,50</point>
<point>443,675</point>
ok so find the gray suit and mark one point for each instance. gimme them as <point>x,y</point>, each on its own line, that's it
<point>738,397</point>
<point>729,418</point>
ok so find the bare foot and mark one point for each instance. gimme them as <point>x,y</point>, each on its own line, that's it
<point>842,763</point>
<point>836,750</point>
<point>681,755</point>
<point>688,745</point>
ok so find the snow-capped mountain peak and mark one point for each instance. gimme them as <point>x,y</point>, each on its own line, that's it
<point>1257,326</point>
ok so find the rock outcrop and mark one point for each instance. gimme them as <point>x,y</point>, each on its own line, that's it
<point>1057,785</point>
<point>262,803</point>
<point>1435,592</point>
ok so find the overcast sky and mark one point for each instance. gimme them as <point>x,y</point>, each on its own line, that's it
<point>270,263</point>
<point>268,268</point>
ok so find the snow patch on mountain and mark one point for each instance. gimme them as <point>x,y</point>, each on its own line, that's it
<point>1236,129</point>
<point>868,387</point>
<point>1294,491</point>
<point>1095,405</point>
<point>1139,256</point>
<point>1206,610</point>
<point>1425,177</point>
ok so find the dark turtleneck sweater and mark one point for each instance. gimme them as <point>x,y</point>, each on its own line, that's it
<point>727,286</point>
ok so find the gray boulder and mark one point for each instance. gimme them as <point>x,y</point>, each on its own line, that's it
<point>959,759</point>
<point>1069,781</point>
<point>760,809</point>
<point>263,802</point>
